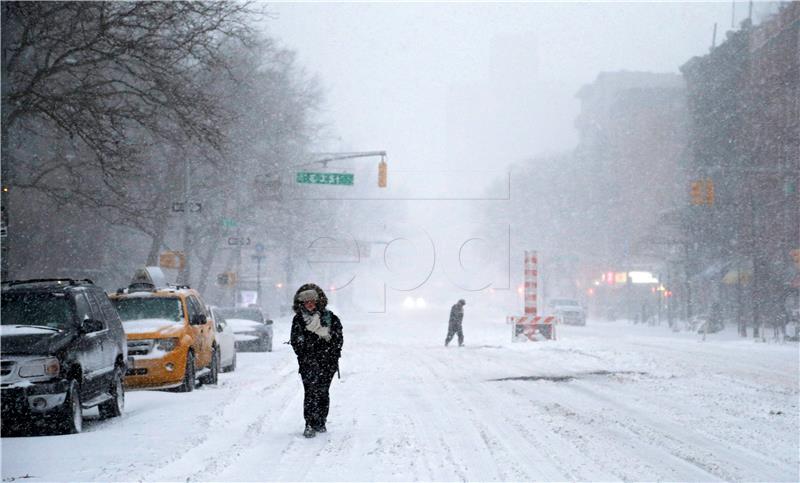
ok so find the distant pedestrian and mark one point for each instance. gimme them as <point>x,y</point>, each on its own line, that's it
<point>454,325</point>
<point>317,340</point>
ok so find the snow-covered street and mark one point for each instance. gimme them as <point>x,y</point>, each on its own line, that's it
<point>609,401</point>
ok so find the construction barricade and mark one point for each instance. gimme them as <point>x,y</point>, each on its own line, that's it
<point>531,325</point>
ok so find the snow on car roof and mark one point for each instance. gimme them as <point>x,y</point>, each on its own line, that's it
<point>242,323</point>
<point>140,326</point>
<point>23,330</point>
<point>163,292</point>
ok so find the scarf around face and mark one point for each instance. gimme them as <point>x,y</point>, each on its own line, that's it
<point>313,324</point>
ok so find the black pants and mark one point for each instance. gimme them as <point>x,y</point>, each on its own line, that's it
<point>453,329</point>
<point>316,382</point>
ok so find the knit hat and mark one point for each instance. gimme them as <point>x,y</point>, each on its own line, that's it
<point>307,295</point>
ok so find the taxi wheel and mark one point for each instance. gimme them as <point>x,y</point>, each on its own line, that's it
<point>188,375</point>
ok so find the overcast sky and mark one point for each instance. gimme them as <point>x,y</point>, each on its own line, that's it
<point>450,87</point>
<point>404,77</point>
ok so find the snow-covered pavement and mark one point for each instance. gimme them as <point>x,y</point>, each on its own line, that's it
<point>609,401</point>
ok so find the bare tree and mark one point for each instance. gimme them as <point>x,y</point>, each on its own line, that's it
<point>90,89</point>
<point>90,69</point>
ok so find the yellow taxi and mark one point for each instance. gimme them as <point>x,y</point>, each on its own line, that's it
<point>171,343</point>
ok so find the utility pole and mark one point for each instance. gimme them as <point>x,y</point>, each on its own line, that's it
<point>185,272</point>
<point>258,259</point>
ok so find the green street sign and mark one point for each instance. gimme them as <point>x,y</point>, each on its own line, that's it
<point>229,223</point>
<point>325,178</point>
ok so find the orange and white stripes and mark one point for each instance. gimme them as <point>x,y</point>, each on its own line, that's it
<point>532,322</point>
<point>531,282</point>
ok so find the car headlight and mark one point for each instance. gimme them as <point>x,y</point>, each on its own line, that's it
<point>40,367</point>
<point>167,345</point>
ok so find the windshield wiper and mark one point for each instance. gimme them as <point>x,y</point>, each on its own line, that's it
<point>40,327</point>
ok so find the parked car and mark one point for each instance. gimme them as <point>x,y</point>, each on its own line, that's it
<point>226,340</point>
<point>569,310</point>
<point>63,350</point>
<point>170,335</point>
<point>253,330</point>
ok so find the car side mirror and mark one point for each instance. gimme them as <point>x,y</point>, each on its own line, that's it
<point>198,319</point>
<point>91,325</point>
<point>268,322</point>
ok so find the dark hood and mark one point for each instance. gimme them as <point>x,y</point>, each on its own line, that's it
<point>35,344</point>
<point>322,302</point>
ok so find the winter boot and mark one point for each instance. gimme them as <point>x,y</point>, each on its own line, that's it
<point>309,431</point>
<point>321,429</point>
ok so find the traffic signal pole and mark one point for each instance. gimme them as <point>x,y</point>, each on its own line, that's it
<point>325,158</point>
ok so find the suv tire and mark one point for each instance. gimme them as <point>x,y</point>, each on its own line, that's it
<point>72,414</point>
<point>188,384</point>
<point>116,405</point>
<point>213,376</point>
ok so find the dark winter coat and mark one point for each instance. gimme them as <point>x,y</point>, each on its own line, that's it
<point>456,315</point>
<point>313,352</point>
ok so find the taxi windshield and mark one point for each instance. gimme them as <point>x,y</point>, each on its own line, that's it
<point>149,308</point>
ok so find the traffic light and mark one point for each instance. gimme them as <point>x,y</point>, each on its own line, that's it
<point>382,168</point>
<point>696,193</point>
<point>709,191</point>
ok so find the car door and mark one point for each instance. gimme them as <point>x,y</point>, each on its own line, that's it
<point>90,346</point>
<point>224,340</point>
<point>202,332</point>
<point>114,340</point>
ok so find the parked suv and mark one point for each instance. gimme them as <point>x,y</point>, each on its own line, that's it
<point>170,335</point>
<point>63,350</point>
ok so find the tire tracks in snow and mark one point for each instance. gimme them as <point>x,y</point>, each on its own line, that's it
<point>222,429</point>
<point>518,457</point>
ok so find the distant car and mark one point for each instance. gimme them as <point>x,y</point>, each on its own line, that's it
<point>253,331</point>
<point>63,350</point>
<point>411,303</point>
<point>569,310</point>
<point>226,340</point>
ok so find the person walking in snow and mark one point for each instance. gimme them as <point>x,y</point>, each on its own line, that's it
<point>317,340</point>
<point>454,325</point>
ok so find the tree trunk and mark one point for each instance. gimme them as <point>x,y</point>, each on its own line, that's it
<point>208,261</point>
<point>157,242</point>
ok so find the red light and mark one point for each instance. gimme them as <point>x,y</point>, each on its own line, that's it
<point>652,290</point>
<point>590,291</point>
<point>668,293</point>
<point>610,278</point>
